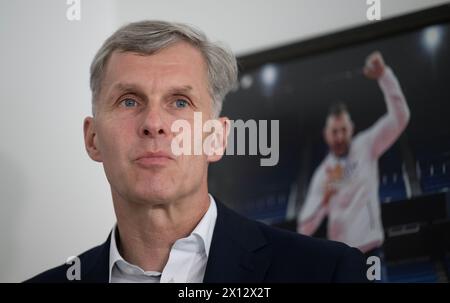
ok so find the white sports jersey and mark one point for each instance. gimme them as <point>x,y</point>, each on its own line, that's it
<point>354,211</point>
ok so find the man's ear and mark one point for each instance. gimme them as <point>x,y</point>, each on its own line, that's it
<point>90,139</point>
<point>352,128</point>
<point>220,139</point>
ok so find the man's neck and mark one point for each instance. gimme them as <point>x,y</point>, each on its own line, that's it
<point>147,232</point>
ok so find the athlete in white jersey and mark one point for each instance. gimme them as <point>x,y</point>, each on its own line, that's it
<point>345,185</point>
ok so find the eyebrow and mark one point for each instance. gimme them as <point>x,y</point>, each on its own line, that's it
<point>127,87</point>
<point>184,89</point>
<point>122,87</point>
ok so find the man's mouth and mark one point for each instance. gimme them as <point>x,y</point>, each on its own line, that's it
<point>150,159</point>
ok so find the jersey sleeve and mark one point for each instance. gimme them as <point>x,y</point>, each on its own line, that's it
<point>312,212</point>
<point>390,126</point>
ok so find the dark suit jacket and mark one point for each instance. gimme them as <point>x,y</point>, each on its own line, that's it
<point>247,251</point>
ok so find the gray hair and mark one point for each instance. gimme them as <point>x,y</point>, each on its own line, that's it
<point>149,37</point>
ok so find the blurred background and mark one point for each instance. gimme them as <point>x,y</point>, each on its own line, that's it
<point>54,201</point>
<point>297,83</point>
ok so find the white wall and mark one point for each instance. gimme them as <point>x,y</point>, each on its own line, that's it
<point>249,25</point>
<point>54,201</point>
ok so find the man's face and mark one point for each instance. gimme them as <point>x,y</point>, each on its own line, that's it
<point>338,133</point>
<point>140,98</point>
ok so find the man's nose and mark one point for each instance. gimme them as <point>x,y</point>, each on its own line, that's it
<point>153,123</point>
<point>339,139</point>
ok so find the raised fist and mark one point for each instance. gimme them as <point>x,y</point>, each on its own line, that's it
<point>375,66</point>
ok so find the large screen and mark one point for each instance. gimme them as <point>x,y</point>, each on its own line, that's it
<point>297,84</point>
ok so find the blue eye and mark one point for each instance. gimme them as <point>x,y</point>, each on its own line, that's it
<point>128,103</point>
<point>181,103</point>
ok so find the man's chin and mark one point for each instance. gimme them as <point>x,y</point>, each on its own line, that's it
<point>340,153</point>
<point>153,197</point>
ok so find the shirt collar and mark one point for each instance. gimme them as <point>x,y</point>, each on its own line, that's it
<point>205,227</point>
<point>204,230</point>
<point>335,159</point>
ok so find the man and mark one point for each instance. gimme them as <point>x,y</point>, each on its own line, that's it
<point>344,187</point>
<point>145,77</point>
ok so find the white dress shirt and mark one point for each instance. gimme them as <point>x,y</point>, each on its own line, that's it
<point>187,259</point>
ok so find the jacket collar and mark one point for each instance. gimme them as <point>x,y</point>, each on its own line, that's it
<point>96,264</point>
<point>238,252</point>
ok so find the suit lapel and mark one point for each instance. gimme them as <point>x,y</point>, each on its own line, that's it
<point>96,264</point>
<point>239,251</point>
